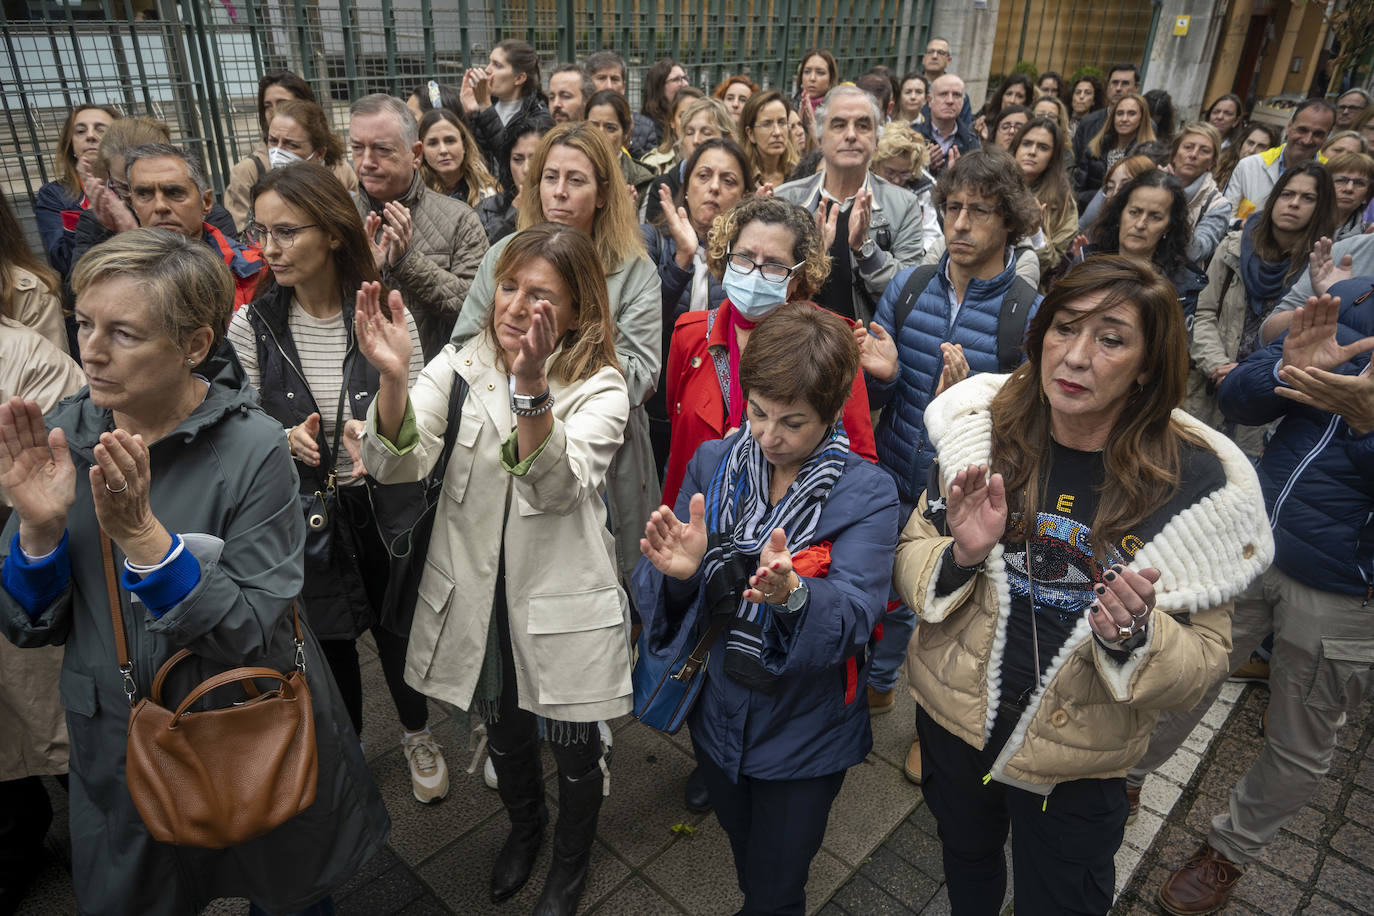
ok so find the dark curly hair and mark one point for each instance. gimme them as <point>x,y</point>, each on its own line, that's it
<point>1171,251</point>
<point>807,246</point>
<point>991,172</point>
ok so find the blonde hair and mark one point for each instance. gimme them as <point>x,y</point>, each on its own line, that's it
<point>615,225</point>
<point>187,286</point>
<point>1143,133</point>
<point>901,142</point>
<point>720,116</point>
<point>1061,112</point>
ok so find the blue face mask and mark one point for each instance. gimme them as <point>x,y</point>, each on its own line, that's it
<point>752,295</point>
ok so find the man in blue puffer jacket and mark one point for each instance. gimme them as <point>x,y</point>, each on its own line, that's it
<point>961,301</point>
<point>1318,480</point>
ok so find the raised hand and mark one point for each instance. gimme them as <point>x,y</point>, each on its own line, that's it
<point>303,441</point>
<point>536,345</point>
<point>475,92</point>
<point>827,221</point>
<point>120,482</point>
<point>764,190</point>
<point>680,228</point>
<point>860,216</point>
<point>353,444</point>
<point>954,368</point>
<point>108,208</point>
<point>1351,396</point>
<point>976,512</point>
<point>1125,600</point>
<point>1322,269</point>
<point>383,339</point>
<point>1311,341</point>
<point>1076,246</point>
<point>877,352</point>
<point>774,579</point>
<point>36,475</point>
<point>673,547</point>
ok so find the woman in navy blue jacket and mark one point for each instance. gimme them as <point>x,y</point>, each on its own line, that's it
<point>791,536</point>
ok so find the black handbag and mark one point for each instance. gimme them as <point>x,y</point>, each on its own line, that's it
<point>404,513</point>
<point>329,542</point>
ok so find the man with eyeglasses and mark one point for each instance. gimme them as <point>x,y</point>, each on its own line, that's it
<point>936,324</point>
<point>168,190</point>
<point>947,136</point>
<point>426,245</point>
<point>1255,175</point>
<point>1349,106</point>
<point>871,227</point>
<point>936,63</point>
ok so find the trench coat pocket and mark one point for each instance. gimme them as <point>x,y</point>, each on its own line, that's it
<point>435,589</point>
<point>77,693</point>
<point>460,462</point>
<point>581,652</point>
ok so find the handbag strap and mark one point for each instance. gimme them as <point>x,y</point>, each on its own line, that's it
<point>703,646</point>
<point>121,639</point>
<point>457,394</point>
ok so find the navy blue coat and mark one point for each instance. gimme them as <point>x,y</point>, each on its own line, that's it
<point>904,450</point>
<point>816,723</point>
<point>1317,473</point>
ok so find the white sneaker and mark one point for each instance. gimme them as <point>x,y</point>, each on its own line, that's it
<point>428,772</point>
<point>489,774</point>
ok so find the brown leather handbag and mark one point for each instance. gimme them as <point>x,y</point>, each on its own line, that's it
<point>217,777</point>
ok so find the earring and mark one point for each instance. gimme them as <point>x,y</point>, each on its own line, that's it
<point>190,362</point>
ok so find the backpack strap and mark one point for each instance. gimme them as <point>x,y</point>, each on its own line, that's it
<point>911,290</point>
<point>1011,323</point>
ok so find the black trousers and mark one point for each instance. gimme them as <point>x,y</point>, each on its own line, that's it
<point>775,828</point>
<point>576,746</point>
<point>342,654</point>
<point>1063,846</point>
<point>25,815</point>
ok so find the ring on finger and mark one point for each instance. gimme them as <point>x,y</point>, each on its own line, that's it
<point>119,489</point>
<point>1124,631</point>
<point>1141,616</point>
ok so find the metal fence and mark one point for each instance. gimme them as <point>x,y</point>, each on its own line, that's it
<point>195,63</point>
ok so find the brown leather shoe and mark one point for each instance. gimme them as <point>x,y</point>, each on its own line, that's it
<point>912,769</point>
<point>1201,885</point>
<point>881,701</point>
<point>1133,800</point>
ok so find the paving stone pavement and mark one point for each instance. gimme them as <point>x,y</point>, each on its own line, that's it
<point>880,853</point>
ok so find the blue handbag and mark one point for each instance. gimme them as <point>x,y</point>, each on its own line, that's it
<point>666,687</point>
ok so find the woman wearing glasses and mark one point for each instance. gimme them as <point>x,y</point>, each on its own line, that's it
<point>296,344</point>
<point>788,532</point>
<point>766,138</point>
<point>765,252</point>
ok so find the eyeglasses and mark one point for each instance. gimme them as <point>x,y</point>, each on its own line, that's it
<point>1352,180</point>
<point>1008,127</point>
<point>677,79</point>
<point>284,236</point>
<point>976,213</point>
<point>767,127</point>
<point>772,272</point>
<point>1350,107</point>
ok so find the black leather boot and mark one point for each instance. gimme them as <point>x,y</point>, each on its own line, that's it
<point>520,783</point>
<point>579,804</point>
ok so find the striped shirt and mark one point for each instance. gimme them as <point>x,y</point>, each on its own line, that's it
<point>322,345</point>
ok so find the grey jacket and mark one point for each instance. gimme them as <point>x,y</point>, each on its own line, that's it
<point>896,227</point>
<point>433,278</point>
<point>224,474</point>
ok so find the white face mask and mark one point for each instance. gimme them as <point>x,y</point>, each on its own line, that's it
<point>280,157</point>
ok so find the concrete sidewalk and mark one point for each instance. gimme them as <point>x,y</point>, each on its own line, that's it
<point>880,853</point>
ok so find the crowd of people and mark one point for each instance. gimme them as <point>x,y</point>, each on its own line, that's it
<point>1063,403</point>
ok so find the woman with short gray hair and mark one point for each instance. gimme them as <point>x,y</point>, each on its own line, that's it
<point>168,460</point>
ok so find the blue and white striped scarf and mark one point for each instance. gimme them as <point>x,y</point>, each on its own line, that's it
<point>740,521</point>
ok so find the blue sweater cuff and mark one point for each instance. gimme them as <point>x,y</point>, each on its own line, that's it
<point>35,585</point>
<point>165,587</point>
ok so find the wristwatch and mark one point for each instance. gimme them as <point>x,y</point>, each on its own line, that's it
<point>868,249</point>
<point>796,599</point>
<point>530,405</point>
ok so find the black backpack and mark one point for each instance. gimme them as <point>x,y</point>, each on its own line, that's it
<point>1011,322</point>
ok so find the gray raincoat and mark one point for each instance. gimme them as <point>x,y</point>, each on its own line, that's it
<point>224,472</point>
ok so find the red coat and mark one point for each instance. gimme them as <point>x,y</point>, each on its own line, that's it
<point>696,405</point>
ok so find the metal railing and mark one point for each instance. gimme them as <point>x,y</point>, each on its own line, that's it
<point>195,64</point>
